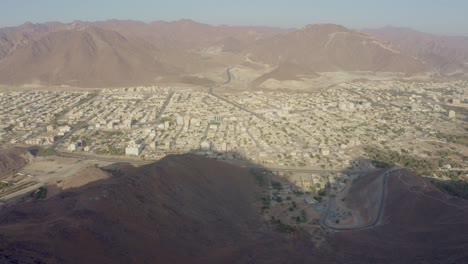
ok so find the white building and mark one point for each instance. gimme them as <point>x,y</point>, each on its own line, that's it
<point>134,149</point>
<point>64,129</point>
<point>128,123</point>
<point>216,119</point>
<point>187,120</point>
<point>72,147</point>
<point>310,200</point>
<point>451,114</point>
<point>180,120</point>
<point>205,145</point>
<point>324,151</point>
<point>343,106</point>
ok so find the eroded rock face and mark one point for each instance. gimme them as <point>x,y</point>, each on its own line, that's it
<point>127,53</point>
<point>182,209</point>
<point>13,159</point>
<point>190,209</point>
<point>420,224</point>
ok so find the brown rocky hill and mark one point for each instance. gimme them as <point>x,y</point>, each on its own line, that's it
<point>189,209</point>
<point>172,50</point>
<point>182,209</point>
<point>84,57</point>
<point>186,34</point>
<point>13,159</point>
<point>12,38</point>
<point>420,224</point>
<point>329,48</point>
<point>125,52</point>
<point>446,54</point>
<point>192,34</point>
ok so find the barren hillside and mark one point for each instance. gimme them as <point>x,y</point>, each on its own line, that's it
<point>420,224</point>
<point>121,52</point>
<point>328,47</point>
<point>446,54</point>
<point>189,209</point>
<point>12,159</point>
<point>84,57</point>
<point>183,209</point>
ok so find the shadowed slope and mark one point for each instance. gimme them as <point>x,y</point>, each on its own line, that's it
<point>182,209</point>
<point>420,224</point>
<point>12,159</point>
<point>190,209</point>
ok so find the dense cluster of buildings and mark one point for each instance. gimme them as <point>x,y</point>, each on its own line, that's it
<point>325,129</point>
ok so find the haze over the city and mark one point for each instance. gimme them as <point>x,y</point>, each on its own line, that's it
<point>233,132</point>
<point>441,17</point>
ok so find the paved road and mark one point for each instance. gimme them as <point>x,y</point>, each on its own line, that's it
<point>323,219</point>
<point>76,127</point>
<point>163,108</point>
<point>259,116</point>
<point>105,159</point>
<point>229,78</point>
<point>309,170</point>
<point>249,166</point>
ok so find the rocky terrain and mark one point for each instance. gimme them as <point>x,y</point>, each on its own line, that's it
<point>189,209</point>
<point>117,53</point>
<point>12,159</point>
<point>445,54</point>
<point>420,224</point>
<point>183,209</point>
<point>89,57</point>
<point>329,47</point>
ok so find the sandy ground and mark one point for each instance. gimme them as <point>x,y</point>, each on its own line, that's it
<point>51,169</point>
<point>60,172</point>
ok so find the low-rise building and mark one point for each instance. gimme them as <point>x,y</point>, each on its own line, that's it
<point>134,149</point>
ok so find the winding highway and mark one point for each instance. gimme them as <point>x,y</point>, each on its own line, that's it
<point>376,221</point>
<point>259,116</point>
<point>229,78</point>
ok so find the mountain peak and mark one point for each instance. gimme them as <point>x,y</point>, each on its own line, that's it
<point>325,27</point>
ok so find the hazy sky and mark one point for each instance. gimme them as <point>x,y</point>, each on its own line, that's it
<point>436,16</point>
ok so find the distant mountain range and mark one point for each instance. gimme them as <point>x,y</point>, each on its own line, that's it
<point>121,53</point>
<point>329,47</point>
<point>445,54</point>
